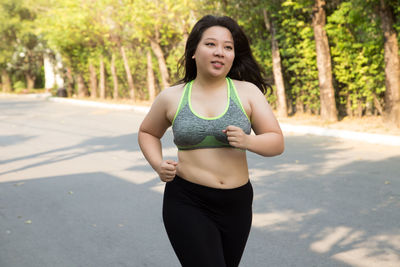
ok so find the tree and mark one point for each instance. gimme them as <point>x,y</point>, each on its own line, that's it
<point>277,67</point>
<point>22,50</point>
<point>150,78</point>
<point>357,56</point>
<point>392,63</point>
<point>297,47</point>
<point>9,26</point>
<point>327,92</point>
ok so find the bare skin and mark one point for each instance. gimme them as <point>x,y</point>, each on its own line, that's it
<point>214,167</point>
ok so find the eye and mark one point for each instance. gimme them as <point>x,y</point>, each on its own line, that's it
<point>210,44</point>
<point>228,47</point>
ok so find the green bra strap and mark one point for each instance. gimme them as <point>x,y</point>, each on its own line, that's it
<point>236,98</point>
<point>184,99</point>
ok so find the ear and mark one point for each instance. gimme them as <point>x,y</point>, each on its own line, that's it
<point>193,57</point>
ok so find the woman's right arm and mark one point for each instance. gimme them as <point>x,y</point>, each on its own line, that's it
<point>151,130</point>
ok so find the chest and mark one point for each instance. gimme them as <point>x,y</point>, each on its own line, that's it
<point>209,106</point>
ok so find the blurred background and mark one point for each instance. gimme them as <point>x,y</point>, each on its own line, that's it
<point>333,59</point>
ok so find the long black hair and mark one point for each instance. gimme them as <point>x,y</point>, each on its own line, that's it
<point>244,67</point>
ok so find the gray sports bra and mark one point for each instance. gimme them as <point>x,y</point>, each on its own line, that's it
<point>192,131</point>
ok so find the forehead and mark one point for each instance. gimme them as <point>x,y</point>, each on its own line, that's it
<point>217,33</point>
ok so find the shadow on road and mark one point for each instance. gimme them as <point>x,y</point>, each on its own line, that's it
<point>324,202</point>
<point>314,212</point>
<point>87,219</point>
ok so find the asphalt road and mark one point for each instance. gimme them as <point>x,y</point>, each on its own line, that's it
<point>76,191</point>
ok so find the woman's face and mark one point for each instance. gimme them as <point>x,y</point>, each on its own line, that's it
<point>215,52</point>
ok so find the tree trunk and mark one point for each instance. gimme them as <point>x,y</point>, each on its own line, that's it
<point>377,104</point>
<point>30,81</point>
<point>155,46</point>
<point>299,106</point>
<point>277,68</point>
<point>49,73</point>
<point>150,78</point>
<point>114,77</point>
<point>349,109</point>
<point>102,79</point>
<point>128,73</point>
<point>327,92</point>
<point>70,82</point>
<point>82,90</point>
<point>5,81</point>
<point>392,65</point>
<point>93,81</point>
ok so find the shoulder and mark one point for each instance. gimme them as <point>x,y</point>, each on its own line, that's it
<point>171,93</point>
<point>167,101</point>
<point>247,90</point>
<point>246,87</point>
<point>169,96</point>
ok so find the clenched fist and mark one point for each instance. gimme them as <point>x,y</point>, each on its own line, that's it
<point>236,136</point>
<point>167,170</point>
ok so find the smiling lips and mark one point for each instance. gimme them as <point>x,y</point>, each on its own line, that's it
<point>217,64</point>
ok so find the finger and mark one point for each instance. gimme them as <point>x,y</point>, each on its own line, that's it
<point>170,166</point>
<point>232,128</point>
<point>230,140</point>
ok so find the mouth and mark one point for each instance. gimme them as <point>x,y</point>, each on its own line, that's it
<point>217,64</point>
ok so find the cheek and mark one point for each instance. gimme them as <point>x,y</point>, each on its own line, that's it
<point>231,58</point>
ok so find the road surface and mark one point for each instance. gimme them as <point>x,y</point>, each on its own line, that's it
<point>75,190</point>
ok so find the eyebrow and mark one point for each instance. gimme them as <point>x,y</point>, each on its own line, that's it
<point>210,38</point>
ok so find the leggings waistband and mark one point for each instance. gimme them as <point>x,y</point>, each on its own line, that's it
<point>185,183</point>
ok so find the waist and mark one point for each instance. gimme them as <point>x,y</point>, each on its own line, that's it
<point>217,199</point>
<point>217,168</point>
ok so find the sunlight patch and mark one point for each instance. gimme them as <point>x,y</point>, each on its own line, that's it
<point>136,177</point>
<point>331,237</point>
<point>364,251</point>
<point>159,188</point>
<point>284,220</point>
<point>256,174</point>
<point>369,257</point>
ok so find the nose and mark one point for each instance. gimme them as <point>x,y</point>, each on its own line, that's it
<point>219,51</point>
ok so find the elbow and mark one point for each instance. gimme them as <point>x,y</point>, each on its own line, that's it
<point>276,149</point>
<point>280,149</point>
<point>142,138</point>
<point>280,146</point>
<point>140,135</point>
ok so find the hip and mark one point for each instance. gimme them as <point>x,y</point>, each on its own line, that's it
<point>200,195</point>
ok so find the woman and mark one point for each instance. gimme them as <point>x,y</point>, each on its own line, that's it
<point>207,207</point>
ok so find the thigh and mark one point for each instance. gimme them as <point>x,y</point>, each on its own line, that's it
<point>194,237</point>
<point>234,237</point>
<point>236,227</point>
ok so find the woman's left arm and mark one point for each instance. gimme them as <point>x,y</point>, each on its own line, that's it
<point>268,140</point>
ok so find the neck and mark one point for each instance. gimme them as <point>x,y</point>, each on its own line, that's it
<point>209,83</point>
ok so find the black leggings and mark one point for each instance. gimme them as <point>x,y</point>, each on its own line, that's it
<point>207,227</point>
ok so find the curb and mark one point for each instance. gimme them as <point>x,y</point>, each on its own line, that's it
<point>390,140</point>
<point>87,103</point>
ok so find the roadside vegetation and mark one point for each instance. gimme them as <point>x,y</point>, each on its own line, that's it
<point>334,60</point>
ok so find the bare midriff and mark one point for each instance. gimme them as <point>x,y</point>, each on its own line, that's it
<point>214,167</point>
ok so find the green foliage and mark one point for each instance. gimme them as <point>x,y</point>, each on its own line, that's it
<point>357,53</point>
<point>296,40</point>
<point>19,86</point>
<point>83,31</point>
